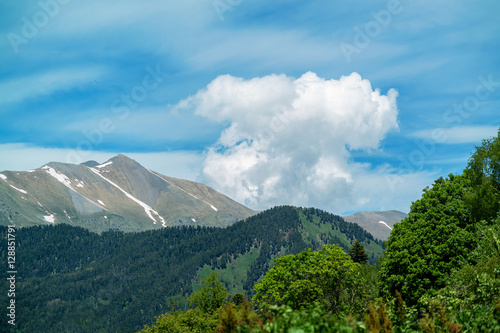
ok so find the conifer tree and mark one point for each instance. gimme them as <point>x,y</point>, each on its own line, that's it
<point>358,253</point>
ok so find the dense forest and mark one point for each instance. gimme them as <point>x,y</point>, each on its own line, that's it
<point>73,280</point>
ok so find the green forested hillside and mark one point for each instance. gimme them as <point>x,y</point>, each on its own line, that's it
<point>72,280</point>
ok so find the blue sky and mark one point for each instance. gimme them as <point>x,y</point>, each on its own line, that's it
<point>194,89</point>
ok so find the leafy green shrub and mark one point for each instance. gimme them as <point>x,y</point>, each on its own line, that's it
<point>312,320</point>
<point>327,277</point>
<point>189,321</point>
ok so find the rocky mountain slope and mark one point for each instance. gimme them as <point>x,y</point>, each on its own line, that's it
<point>379,224</point>
<point>119,194</point>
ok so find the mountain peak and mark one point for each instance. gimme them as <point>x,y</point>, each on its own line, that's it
<point>123,163</point>
<point>117,194</point>
<point>120,158</point>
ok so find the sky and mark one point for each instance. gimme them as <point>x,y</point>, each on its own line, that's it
<point>341,105</point>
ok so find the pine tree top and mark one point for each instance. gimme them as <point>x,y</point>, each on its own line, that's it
<point>358,253</point>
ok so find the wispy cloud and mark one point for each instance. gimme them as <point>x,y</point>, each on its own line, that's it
<point>458,135</point>
<point>19,89</point>
<point>271,49</point>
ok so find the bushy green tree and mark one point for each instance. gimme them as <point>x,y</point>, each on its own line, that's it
<point>483,171</point>
<point>439,234</point>
<point>478,285</point>
<point>212,294</point>
<point>327,277</point>
<point>434,239</point>
<point>189,321</point>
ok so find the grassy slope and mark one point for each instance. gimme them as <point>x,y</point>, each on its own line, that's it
<point>315,233</point>
<point>234,275</point>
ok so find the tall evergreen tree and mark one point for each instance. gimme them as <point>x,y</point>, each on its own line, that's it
<point>358,253</point>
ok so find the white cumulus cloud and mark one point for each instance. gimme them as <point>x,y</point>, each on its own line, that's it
<point>289,141</point>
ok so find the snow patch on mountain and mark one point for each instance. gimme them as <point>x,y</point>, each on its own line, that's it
<point>4,177</point>
<point>149,211</point>
<point>20,190</point>
<point>59,176</point>
<point>66,182</point>
<point>50,218</point>
<point>102,203</point>
<point>382,222</point>
<point>104,165</point>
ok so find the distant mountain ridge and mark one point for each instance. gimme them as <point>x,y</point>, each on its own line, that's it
<point>118,194</point>
<point>379,224</point>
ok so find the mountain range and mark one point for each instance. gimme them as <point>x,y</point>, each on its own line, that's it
<point>121,194</point>
<point>118,194</point>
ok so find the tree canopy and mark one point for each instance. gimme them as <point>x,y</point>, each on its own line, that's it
<point>212,294</point>
<point>435,238</point>
<point>328,277</point>
<point>483,171</point>
<point>439,234</point>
